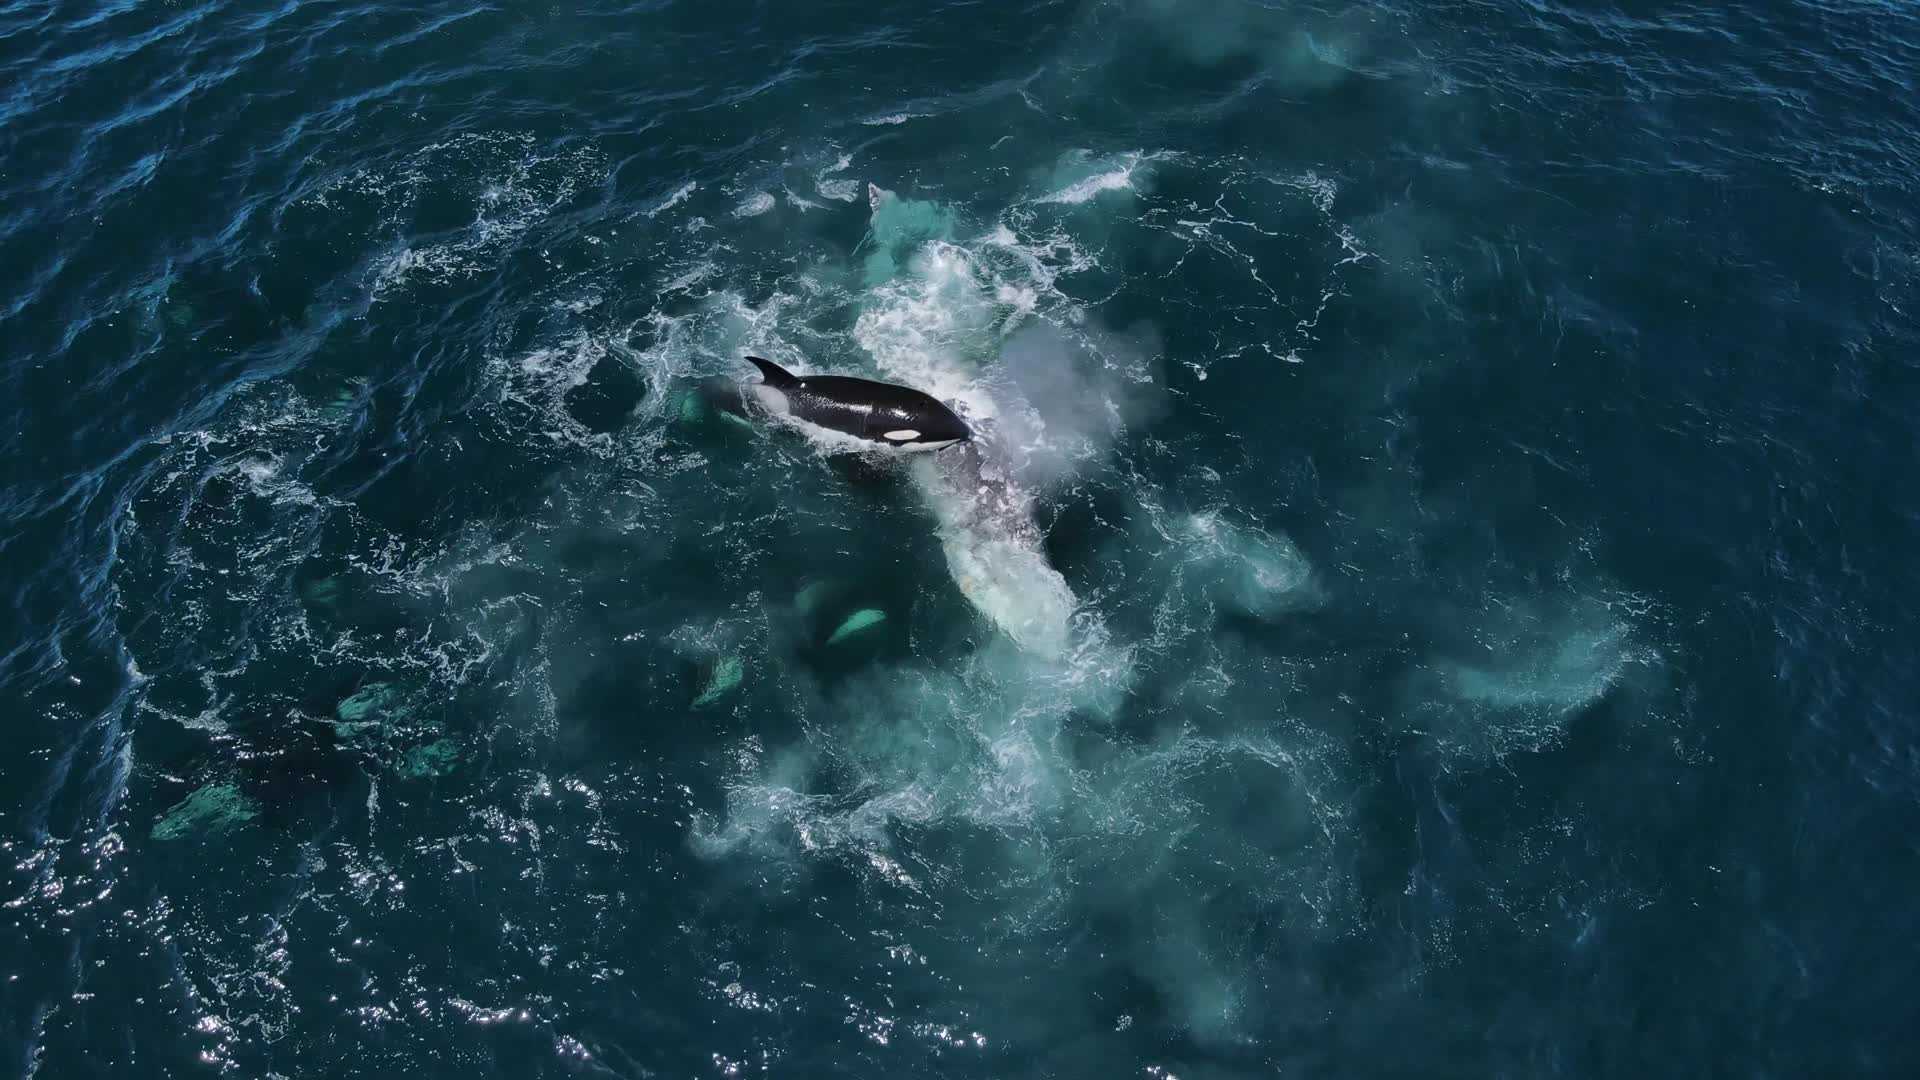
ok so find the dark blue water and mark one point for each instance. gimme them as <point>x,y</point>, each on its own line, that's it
<point>1444,604</point>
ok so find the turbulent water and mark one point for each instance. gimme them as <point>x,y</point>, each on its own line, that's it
<point>1433,595</point>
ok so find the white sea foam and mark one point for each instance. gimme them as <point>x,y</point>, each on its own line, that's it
<point>1244,568</point>
<point>838,188</point>
<point>436,264</point>
<point>511,183</point>
<point>680,194</point>
<point>924,328</point>
<point>754,205</point>
<point>1118,178</point>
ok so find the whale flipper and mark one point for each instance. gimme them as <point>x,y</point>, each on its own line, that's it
<point>776,376</point>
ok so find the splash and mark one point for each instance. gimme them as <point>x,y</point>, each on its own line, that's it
<point>898,228</point>
<point>835,187</point>
<point>680,194</point>
<point>1116,175</point>
<point>925,330</point>
<point>754,205</point>
<point>1066,396</point>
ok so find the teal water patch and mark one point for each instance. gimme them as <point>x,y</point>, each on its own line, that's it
<point>1247,569</point>
<point>689,407</point>
<point>898,228</point>
<point>324,593</point>
<point>1533,663</point>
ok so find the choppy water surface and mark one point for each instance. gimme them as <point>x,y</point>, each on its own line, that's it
<point>1438,601</point>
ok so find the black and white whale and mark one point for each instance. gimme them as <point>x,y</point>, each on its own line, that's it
<point>896,417</point>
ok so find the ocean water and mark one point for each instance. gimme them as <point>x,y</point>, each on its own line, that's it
<point>1437,595</point>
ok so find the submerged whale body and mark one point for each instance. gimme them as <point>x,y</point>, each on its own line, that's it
<point>896,417</point>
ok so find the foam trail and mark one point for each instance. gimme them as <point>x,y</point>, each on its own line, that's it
<point>680,195</point>
<point>754,205</point>
<point>1118,178</point>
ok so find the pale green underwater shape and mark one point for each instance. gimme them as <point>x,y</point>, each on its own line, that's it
<point>724,680</point>
<point>362,716</point>
<point>214,810</point>
<point>368,699</point>
<point>692,409</point>
<point>325,592</point>
<point>856,622</point>
<point>343,398</point>
<point>437,758</point>
<point>811,595</point>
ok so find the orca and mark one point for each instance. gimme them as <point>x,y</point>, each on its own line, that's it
<point>896,417</point>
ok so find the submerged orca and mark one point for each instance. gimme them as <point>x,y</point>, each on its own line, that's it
<point>891,416</point>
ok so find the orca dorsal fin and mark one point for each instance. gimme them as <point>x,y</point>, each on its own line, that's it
<point>776,376</point>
